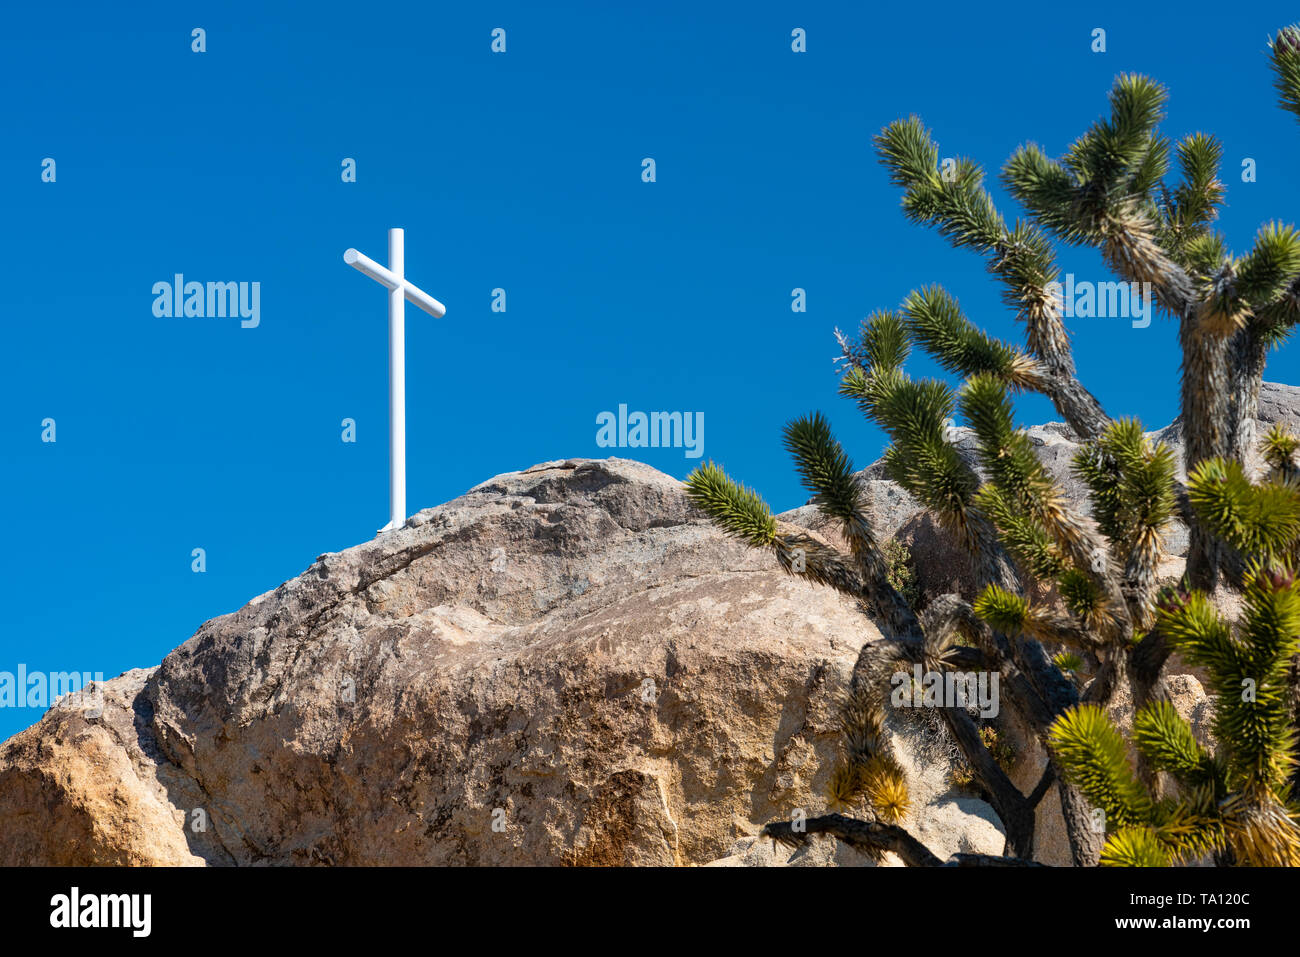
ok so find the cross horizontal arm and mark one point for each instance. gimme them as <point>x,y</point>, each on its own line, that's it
<point>413,294</point>
<point>371,268</point>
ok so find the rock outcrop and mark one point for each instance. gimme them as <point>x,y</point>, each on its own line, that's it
<point>566,665</point>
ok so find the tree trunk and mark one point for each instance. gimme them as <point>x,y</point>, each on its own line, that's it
<point>1086,839</point>
<point>1205,392</point>
<point>1246,355</point>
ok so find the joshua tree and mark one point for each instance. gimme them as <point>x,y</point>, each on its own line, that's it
<point>1111,190</point>
<point>1234,802</point>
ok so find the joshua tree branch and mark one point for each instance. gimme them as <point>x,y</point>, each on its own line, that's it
<point>1011,806</point>
<point>988,860</point>
<point>804,554</point>
<point>1077,405</point>
<point>1043,786</point>
<point>1005,798</point>
<point>870,837</point>
<point>951,613</point>
<point>1147,665</point>
<point>1085,841</point>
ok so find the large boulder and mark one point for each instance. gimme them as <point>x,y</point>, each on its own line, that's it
<point>566,665</point>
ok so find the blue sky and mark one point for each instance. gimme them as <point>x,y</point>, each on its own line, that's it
<point>519,171</point>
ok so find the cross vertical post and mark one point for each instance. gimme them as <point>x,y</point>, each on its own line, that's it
<point>397,382</point>
<point>399,290</point>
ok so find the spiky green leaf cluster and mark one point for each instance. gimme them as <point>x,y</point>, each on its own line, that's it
<point>1119,159</point>
<point>1279,449</point>
<point>1005,452</point>
<point>823,465</point>
<point>1247,672</point>
<point>1068,661</point>
<point>937,324</point>
<point>866,769</point>
<point>958,205</point>
<point>1135,847</point>
<point>1001,609</point>
<point>963,211</point>
<point>1143,831</point>
<point>1131,484</point>
<point>1024,537</point>
<point>738,510</point>
<point>1122,154</point>
<point>1241,798</point>
<point>1263,274</point>
<point>1046,188</point>
<point>1168,743</point>
<point>1026,505</point>
<point>1095,757</point>
<point>1276,321</point>
<point>1259,520</point>
<point>1080,594</point>
<point>885,342</point>
<point>1205,254</point>
<point>1284,51</point>
<point>1189,208</point>
<point>915,414</point>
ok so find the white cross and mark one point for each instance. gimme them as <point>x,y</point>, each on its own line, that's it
<point>399,290</point>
